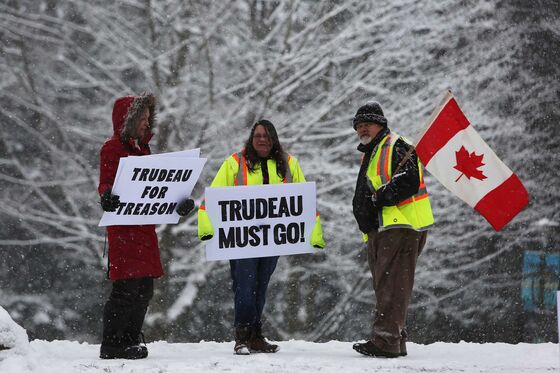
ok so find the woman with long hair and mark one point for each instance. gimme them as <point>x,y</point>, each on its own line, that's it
<point>261,161</point>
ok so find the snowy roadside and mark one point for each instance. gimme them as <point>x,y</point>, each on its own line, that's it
<point>294,356</point>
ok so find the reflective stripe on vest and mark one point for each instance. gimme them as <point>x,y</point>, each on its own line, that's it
<point>422,191</point>
<point>241,178</point>
<point>414,212</point>
<point>288,177</point>
<point>243,170</point>
<point>385,158</point>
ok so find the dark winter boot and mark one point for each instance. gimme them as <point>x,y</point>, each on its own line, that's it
<point>370,349</point>
<point>126,348</point>
<point>258,343</point>
<point>122,352</point>
<point>138,341</point>
<point>242,336</point>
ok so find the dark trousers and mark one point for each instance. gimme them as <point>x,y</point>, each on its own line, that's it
<point>392,256</point>
<point>250,280</point>
<point>125,310</point>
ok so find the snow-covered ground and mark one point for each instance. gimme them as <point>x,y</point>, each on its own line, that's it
<point>294,356</point>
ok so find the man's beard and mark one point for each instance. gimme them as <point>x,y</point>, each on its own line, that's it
<point>364,140</point>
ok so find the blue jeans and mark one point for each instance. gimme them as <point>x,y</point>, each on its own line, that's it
<point>250,280</point>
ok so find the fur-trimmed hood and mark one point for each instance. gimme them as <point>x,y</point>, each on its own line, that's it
<point>126,113</point>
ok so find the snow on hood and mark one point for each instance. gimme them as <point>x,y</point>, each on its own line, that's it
<point>126,113</point>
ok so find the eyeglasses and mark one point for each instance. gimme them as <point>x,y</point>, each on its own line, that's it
<point>263,137</point>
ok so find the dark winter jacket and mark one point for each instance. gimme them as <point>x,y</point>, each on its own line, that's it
<point>403,185</point>
<point>133,249</point>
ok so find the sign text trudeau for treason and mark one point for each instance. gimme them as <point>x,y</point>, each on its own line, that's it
<point>261,208</point>
<point>153,192</point>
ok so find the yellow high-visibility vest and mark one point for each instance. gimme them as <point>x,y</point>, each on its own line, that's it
<point>414,212</point>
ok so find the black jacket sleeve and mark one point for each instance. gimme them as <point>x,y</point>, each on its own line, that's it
<point>405,182</point>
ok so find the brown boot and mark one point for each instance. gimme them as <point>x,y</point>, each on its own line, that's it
<point>242,336</point>
<point>370,349</point>
<point>258,343</point>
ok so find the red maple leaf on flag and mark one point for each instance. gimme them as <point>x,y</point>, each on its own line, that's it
<point>468,164</point>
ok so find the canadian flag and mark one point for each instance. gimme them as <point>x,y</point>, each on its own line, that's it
<point>452,151</point>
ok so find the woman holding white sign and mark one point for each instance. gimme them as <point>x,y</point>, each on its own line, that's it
<point>134,259</point>
<point>261,161</point>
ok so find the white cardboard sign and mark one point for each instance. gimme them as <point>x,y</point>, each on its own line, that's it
<point>260,221</point>
<point>151,186</point>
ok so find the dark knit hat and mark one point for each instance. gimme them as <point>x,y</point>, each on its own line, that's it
<point>371,112</point>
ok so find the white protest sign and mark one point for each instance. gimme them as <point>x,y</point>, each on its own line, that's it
<point>150,187</point>
<point>259,221</point>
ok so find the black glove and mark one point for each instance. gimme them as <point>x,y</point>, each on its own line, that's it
<point>185,207</point>
<point>386,195</point>
<point>109,202</point>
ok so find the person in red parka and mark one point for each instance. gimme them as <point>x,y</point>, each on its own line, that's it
<point>134,258</point>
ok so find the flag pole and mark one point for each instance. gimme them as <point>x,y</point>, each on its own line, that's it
<point>448,96</point>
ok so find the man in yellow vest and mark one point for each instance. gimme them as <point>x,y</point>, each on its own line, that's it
<point>392,209</point>
<point>261,161</point>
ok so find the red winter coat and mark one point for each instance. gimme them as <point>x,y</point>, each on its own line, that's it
<point>133,249</point>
